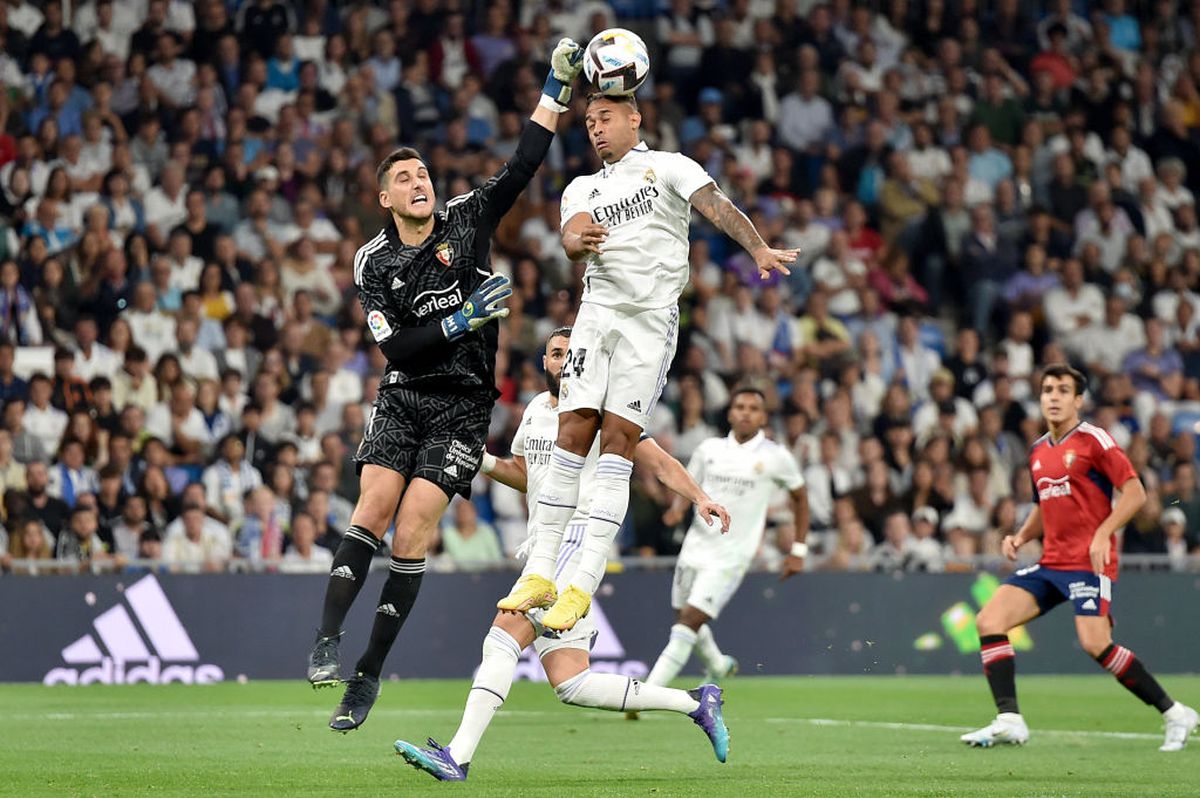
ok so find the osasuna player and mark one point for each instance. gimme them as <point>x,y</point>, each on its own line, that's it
<point>1075,467</point>
<point>427,289</point>
<point>629,221</point>
<point>564,657</point>
<point>742,471</point>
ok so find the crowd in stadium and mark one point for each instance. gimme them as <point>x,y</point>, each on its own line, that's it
<point>976,188</point>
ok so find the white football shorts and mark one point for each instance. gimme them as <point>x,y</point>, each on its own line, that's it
<point>618,360</point>
<point>706,589</point>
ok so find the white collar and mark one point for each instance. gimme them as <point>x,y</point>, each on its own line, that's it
<point>750,444</point>
<point>641,146</point>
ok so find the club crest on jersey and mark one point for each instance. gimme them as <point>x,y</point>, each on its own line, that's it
<point>444,253</point>
<point>758,467</point>
<point>1069,458</point>
<point>649,176</point>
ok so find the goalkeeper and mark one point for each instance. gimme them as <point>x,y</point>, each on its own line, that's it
<point>427,290</point>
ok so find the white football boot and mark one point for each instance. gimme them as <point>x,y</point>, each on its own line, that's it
<point>1007,729</point>
<point>1181,722</point>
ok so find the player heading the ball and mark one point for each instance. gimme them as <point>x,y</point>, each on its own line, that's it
<point>629,223</point>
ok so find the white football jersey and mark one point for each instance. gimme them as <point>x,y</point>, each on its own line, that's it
<point>643,200</point>
<point>742,477</point>
<point>534,440</point>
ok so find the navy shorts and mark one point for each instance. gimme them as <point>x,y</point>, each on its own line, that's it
<point>1091,594</point>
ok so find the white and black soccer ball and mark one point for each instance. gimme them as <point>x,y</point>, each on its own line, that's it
<point>616,61</point>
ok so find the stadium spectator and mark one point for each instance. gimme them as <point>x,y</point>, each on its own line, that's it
<point>28,542</point>
<point>80,542</point>
<point>228,480</point>
<point>468,541</point>
<point>194,545</point>
<point>303,554</point>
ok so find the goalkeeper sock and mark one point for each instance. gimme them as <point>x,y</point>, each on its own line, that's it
<point>346,577</point>
<point>674,656</point>
<point>488,692</point>
<point>555,506</point>
<point>610,502</point>
<point>395,600</point>
<point>1000,666</point>
<point>622,694</point>
<point>708,651</point>
<point>1129,670</point>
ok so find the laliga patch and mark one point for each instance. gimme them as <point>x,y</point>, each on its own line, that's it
<point>378,325</point>
<point>444,253</point>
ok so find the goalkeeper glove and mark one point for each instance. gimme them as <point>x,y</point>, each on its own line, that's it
<point>565,64</point>
<point>481,306</point>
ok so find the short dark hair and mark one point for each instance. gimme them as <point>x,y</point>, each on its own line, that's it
<point>401,154</point>
<point>741,389</point>
<point>1060,370</point>
<point>561,332</point>
<point>627,99</point>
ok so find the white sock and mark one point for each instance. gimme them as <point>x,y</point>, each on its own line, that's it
<point>1174,711</point>
<point>555,505</point>
<point>708,651</point>
<point>488,691</point>
<point>610,502</point>
<point>674,656</point>
<point>620,693</point>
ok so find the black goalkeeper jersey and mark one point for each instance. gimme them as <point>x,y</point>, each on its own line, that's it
<point>404,288</point>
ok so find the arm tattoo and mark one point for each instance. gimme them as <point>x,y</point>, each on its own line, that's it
<point>721,211</point>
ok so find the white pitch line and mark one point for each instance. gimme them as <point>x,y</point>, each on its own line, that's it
<point>931,727</point>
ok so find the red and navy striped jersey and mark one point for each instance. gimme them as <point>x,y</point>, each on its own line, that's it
<point>1073,483</point>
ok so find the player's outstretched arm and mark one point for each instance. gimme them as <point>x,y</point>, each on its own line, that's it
<point>671,473</point>
<point>794,542</point>
<point>1030,530</point>
<point>497,196</point>
<point>510,471</point>
<point>729,219</point>
<point>1133,496</point>
<point>566,62</point>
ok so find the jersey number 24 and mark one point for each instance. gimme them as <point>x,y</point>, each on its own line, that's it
<point>573,365</point>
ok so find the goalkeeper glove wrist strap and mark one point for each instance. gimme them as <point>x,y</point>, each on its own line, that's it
<point>455,326</point>
<point>556,95</point>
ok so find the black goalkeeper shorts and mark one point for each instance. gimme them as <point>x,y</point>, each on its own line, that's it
<point>435,436</point>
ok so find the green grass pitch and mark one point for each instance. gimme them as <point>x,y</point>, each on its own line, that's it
<point>855,736</point>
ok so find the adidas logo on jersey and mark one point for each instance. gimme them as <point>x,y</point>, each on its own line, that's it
<point>1037,465</point>
<point>388,609</point>
<point>397,284</point>
<point>595,193</point>
<point>635,405</point>
<point>451,471</point>
<point>344,572</point>
<point>1090,604</point>
<point>160,639</point>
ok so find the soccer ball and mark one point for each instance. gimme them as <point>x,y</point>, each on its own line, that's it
<point>616,61</point>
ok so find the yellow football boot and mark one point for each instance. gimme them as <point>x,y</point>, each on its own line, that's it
<point>530,592</point>
<point>572,605</point>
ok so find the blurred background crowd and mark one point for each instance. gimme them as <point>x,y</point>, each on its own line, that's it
<point>977,187</point>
